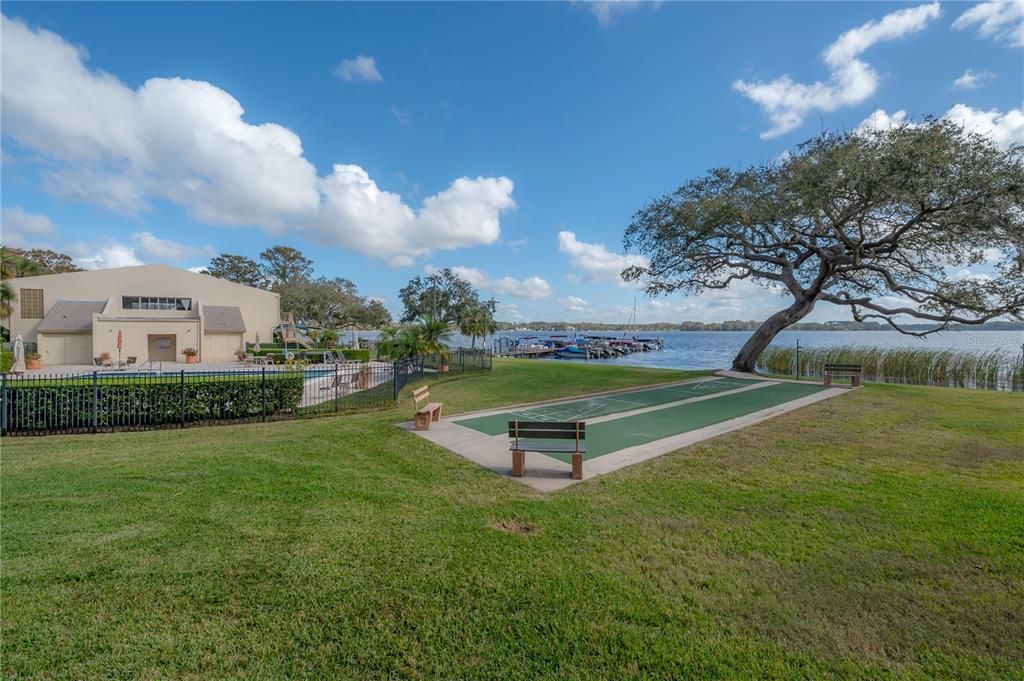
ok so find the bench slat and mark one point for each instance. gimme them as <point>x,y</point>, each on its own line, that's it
<point>549,430</point>
<point>433,406</point>
<point>548,425</point>
<point>537,434</point>
<point>550,448</point>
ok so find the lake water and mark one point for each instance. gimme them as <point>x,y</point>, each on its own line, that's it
<point>716,349</point>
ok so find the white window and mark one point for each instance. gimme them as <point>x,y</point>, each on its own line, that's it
<point>155,303</point>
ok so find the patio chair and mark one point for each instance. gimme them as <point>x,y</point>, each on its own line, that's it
<point>131,361</point>
<point>340,382</point>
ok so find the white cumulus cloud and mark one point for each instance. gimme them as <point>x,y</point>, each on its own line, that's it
<point>852,80</point>
<point>972,79</point>
<point>595,261</point>
<point>532,288</point>
<point>22,229</point>
<point>359,69</point>
<point>573,304</point>
<point>187,142</point>
<point>166,250</point>
<point>1004,128</point>
<point>1001,20</point>
<point>105,257</point>
<point>882,120</point>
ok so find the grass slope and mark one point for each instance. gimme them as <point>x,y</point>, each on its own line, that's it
<point>879,533</point>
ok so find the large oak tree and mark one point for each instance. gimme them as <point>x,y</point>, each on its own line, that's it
<point>886,223</point>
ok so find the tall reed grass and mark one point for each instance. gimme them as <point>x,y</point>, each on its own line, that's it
<point>992,370</point>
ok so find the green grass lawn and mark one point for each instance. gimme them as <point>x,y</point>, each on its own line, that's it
<point>877,534</point>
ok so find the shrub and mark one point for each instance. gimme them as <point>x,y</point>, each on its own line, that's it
<point>162,401</point>
<point>6,361</point>
<point>361,355</point>
<point>915,366</point>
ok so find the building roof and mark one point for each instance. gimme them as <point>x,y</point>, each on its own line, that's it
<point>222,319</point>
<point>118,274</point>
<point>71,316</point>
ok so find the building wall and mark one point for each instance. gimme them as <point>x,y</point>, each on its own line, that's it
<point>221,346</point>
<point>260,309</point>
<point>135,335</point>
<point>65,348</point>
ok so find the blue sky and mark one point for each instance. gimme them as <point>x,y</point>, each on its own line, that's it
<point>513,141</point>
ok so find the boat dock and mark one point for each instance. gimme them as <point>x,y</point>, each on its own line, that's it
<point>585,347</point>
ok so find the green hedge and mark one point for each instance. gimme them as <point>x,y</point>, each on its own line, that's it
<point>314,355</point>
<point>52,406</point>
<point>6,361</point>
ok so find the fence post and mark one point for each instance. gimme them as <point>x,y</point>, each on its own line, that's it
<point>337,388</point>
<point>182,415</point>
<point>394,380</point>
<point>95,401</point>
<point>263,391</point>
<point>3,405</point>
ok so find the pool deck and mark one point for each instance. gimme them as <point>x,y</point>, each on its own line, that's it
<point>548,474</point>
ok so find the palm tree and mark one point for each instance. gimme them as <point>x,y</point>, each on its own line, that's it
<point>436,335</point>
<point>401,344</point>
<point>12,266</point>
<point>477,322</point>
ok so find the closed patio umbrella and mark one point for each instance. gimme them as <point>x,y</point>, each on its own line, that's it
<point>355,342</point>
<point>256,346</point>
<point>120,344</point>
<point>19,356</point>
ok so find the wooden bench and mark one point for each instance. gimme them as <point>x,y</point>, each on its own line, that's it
<point>424,415</point>
<point>852,371</point>
<point>536,436</point>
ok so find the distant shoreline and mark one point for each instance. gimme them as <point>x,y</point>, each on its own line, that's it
<point>585,327</point>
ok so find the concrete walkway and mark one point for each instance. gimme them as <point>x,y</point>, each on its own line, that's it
<point>548,474</point>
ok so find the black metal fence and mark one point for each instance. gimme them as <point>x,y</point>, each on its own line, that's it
<point>104,401</point>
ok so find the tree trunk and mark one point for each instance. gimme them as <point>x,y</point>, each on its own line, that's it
<point>746,359</point>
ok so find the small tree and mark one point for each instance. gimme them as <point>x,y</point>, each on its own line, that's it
<point>283,265</point>
<point>883,223</point>
<point>14,264</point>
<point>436,336</point>
<point>237,268</point>
<point>397,344</point>
<point>443,295</point>
<point>477,322</point>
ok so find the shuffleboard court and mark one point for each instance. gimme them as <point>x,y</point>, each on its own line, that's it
<point>603,405</point>
<point>622,428</point>
<point>611,436</point>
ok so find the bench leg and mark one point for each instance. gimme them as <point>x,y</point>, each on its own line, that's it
<point>855,381</point>
<point>577,466</point>
<point>518,463</point>
<point>422,422</point>
<point>828,380</point>
<point>437,414</point>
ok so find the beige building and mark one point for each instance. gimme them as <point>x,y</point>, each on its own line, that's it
<point>159,310</point>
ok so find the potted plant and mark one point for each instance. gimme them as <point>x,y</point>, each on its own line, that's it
<point>33,360</point>
<point>191,355</point>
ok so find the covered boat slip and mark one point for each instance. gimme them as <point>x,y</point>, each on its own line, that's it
<point>626,427</point>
